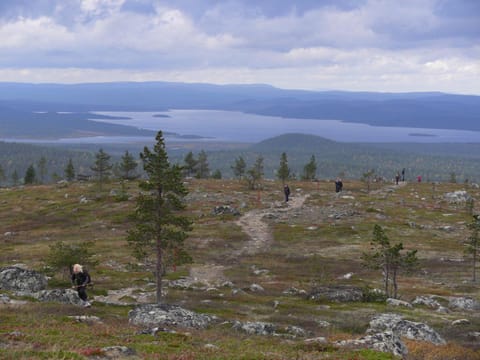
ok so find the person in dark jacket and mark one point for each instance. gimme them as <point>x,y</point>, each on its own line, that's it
<point>286,191</point>
<point>80,280</point>
<point>338,185</point>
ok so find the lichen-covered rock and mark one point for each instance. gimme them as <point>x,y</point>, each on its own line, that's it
<point>457,197</point>
<point>255,328</point>
<point>463,303</point>
<point>397,302</point>
<point>386,341</point>
<point>409,329</point>
<point>225,210</point>
<point>169,315</point>
<point>337,293</point>
<point>22,280</point>
<point>65,296</point>
<point>428,301</point>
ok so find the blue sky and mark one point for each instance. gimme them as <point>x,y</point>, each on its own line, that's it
<point>368,45</point>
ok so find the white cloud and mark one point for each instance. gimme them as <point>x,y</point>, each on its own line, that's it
<point>387,45</point>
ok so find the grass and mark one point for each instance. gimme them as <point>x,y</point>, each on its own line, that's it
<point>311,246</point>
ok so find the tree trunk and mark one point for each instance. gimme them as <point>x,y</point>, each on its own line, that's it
<point>158,270</point>
<point>474,264</point>
<point>395,285</point>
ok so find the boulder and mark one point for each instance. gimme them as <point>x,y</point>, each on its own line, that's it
<point>336,293</point>
<point>386,341</point>
<point>396,302</point>
<point>428,301</point>
<point>409,329</point>
<point>225,210</point>
<point>65,296</point>
<point>169,315</point>
<point>463,303</point>
<point>22,280</point>
<point>255,328</point>
<point>457,197</point>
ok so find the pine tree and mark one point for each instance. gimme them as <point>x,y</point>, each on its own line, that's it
<point>202,169</point>
<point>389,259</point>
<point>310,170</point>
<point>69,171</point>
<point>190,164</point>
<point>283,172</point>
<point>159,224</point>
<point>102,167</point>
<point>239,167</point>
<point>255,174</point>
<point>473,244</point>
<point>30,176</point>
<point>15,177</point>
<point>42,169</point>
<point>128,166</point>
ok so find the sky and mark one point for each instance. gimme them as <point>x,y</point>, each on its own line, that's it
<point>355,45</point>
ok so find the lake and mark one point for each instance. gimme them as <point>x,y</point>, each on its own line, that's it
<point>234,126</point>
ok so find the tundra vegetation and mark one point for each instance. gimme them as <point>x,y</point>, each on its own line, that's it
<point>285,250</point>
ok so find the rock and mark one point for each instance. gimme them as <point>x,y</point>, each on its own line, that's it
<point>474,335</point>
<point>117,352</point>
<point>256,288</point>
<point>86,319</point>
<point>296,331</point>
<point>211,346</point>
<point>336,293</point>
<point>457,197</point>
<point>22,280</point>
<point>225,210</point>
<point>318,340</point>
<point>169,315</point>
<point>65,296</point>
<point>460,322</point>
<point>255,328</point>
<point>294,291</point>
<point>428,301</point>
<point>463,303</point>
<point>322,323</point>
<point>396,302</point>
<point>4,299</point>
<point>405,328</point>
<point>386,341</point>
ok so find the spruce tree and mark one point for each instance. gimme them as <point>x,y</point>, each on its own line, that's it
<point>159,223</point>
<point>69,171</point>
<point>239,167</point>
<point>202,167</point>
<point>30,176</point>
<point>310,170</point>
<point>190,164</point>
<point>283,172</point>
<point>128,166</point>
<point>102,167</point>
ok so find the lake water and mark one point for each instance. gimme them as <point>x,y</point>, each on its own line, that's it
<point>240,127</point>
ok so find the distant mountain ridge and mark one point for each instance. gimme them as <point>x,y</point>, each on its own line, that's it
<point>419,110</point>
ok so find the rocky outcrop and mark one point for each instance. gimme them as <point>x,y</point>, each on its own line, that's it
<point>409,329</point>
<point>64,296</point>
<point>457,197</point>
<point>337,293</point>
<point>386,341</point>
<point>225,210</point>
<point>463,303</point>
<point>22,280</point>
<point>269,329</point>
<point>169,315</point>
<point>428,301</point>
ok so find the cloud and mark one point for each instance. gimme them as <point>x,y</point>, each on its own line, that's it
<point>312,44</point>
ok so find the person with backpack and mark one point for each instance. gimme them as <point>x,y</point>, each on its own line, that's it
<point>80,280</point>
<point>286,191</point>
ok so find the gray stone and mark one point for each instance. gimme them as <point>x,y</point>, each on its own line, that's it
<point>397,302</point>
<point>460,322</point>
<point>463,303</point>
<point>65,296</point>
<point>256,288</point>
<point>225,210</point>
<point>294,291</point>
<point>337,293</point>
<point>409,329</point>
<point>296,331</point>
<point>457,197</point>
<point>428,301</point>
<point>255,328</point>
<point>169,315</point>
<point>22,280</point>
<point>386,341</point>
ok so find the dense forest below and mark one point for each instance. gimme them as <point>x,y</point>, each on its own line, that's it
<point>434,162</point>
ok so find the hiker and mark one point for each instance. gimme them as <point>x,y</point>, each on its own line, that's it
<point>419,178</point>
<point>80,281</point>
<point>397,178</point>
<point>403,174</point>
<point>338,185</point>
<point>286,191</point>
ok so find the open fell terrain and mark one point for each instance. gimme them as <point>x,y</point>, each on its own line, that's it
<point>317,239</point>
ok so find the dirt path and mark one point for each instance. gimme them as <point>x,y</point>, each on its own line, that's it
<point>258,230</point>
